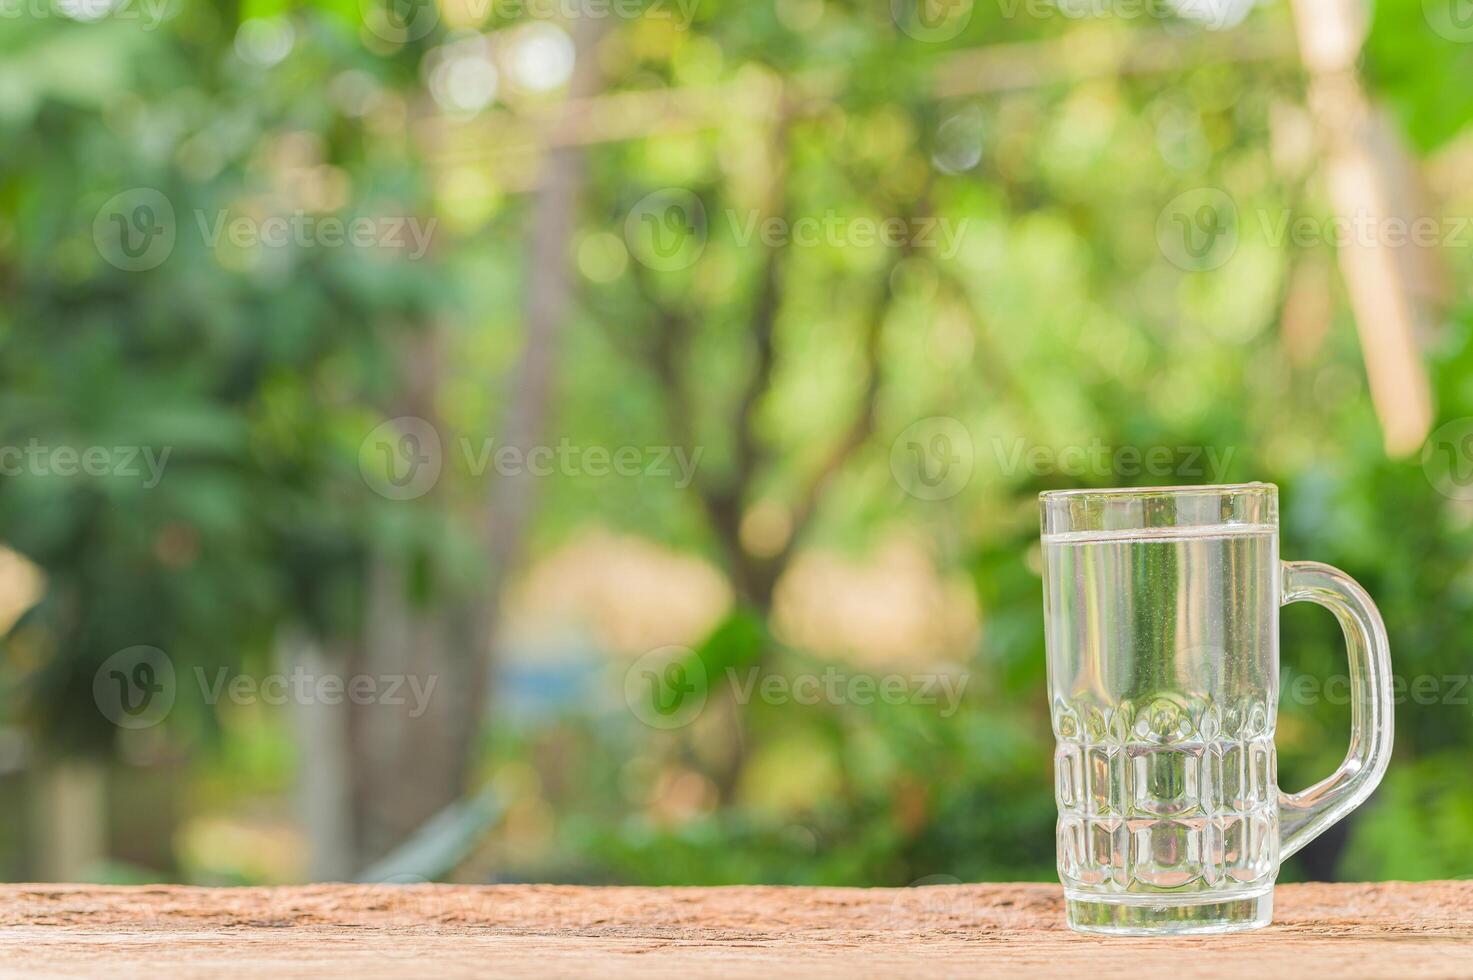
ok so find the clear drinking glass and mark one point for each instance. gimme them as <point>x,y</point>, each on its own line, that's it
<point>1161,612</point>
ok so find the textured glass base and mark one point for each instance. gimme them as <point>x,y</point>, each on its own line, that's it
<point>1153,915</point>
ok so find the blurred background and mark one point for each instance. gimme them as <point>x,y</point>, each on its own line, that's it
<point>598,440</point>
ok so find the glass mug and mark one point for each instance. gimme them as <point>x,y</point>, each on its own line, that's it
<point>1161,617</point>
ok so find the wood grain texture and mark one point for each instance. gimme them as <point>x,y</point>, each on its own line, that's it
<point>1394,929</point>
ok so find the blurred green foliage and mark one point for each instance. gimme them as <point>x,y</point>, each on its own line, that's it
<point>1056,323</point>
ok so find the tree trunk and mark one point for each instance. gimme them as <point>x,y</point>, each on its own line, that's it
<point>70,819</point>
<point>324,772</point>
<point>411,760</point>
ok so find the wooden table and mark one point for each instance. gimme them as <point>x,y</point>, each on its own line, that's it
<point>361,931</point>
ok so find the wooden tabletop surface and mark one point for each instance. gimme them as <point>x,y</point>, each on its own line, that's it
<point>1395,929</point>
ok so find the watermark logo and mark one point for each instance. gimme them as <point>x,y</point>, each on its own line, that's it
<point>1447,459</point>
<point>404,233</point>
<point>84,10</point>
<point>833,686</point>
<point>151,12</point>
<point>1215,15</point>
<point>666,229</point>
<point>1103,461</point>
<point>835,230</point>
<point>401,458</point>
<point>569,459</point>
<point>1198,230</point>
<point>1425,690</point>
<point>666,687</point>
<point>403,21</point>
<point>143,463</point>
<point>1450,19</point>
<point>134,230</point>
<point>933,902</point>
<point>135,688</point>
<point>405,891</point>
<point>400,21</point>
<point>1366,230</point>
<point>303,687</point>
<point>931,21</point>
<point>932,459</point>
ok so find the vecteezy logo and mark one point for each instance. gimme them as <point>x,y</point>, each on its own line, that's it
<point>1216,15</point>
<point>932,459</point>
<point>1447,459</point>
<point>86,10</point>
<point>134,688</point>
<point>134,231</point>
<point>407,890</point>
<point>933,906</point>
<point>400,21</point>
<point>1198,230</point>
<point>401,458</point>
<point>666,230</point>
<point>666,688</point>
<point>1451,19</point>
<point>931,20</point>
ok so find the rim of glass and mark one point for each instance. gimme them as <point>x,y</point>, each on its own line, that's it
<point>1134,511</point>
<point>1221,489</point>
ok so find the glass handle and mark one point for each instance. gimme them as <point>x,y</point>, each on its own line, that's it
<point>1304,816</point>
